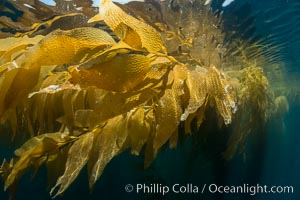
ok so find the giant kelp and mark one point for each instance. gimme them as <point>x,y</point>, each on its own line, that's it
<point>85,96</point>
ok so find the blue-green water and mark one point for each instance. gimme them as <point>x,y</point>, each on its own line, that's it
<point>271,160</point>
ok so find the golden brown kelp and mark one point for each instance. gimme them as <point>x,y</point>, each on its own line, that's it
<point>193,33</point>
<point>129,29</point>
<point>255,106</point>
<point>85,98</point>
<point>57,48</point>
<point>27,17</point>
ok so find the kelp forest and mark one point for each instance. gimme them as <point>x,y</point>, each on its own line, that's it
<point>80,88</point>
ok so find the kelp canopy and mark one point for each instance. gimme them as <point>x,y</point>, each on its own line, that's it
<point>86,94</point>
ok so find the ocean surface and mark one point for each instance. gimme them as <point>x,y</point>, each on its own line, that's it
<point>271,160</point>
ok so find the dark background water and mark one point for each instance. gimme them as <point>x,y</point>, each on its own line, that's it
<point>271,160</point>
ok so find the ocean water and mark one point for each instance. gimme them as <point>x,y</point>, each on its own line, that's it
<point>272,159</point>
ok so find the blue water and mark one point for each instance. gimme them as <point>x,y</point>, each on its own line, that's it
<point>271,160</point>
